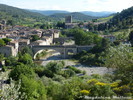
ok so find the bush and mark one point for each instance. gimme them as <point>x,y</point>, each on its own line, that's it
<point>21,70</point>
<point>26,58</point>
<point>33,89</point>
<point>99,88</point>
<point>55,67</point>
<point>74,69</point>
<point>69,73</point>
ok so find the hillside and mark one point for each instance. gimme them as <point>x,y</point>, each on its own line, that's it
<point>98,14</point>
<point>75,15</point>
<point>20,16</point>
<point>116,22</point>
<point>122,20</point>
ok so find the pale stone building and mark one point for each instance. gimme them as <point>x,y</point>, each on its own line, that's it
<point>23,43</point>
<point>111,38</point>
<point>39,42</point>
<point>8,50</point>
<point>15,45</point>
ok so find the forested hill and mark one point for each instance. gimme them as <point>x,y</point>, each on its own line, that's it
<point>123,19</point>
<point>75,15</point>
<point>19,16</point>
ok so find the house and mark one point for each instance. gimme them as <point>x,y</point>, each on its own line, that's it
<point>39,42</point>
<point>70,25</point>
<point>8,50</point>
<point>15,45</point>
<point>23,43</point>
<point>111,38</point>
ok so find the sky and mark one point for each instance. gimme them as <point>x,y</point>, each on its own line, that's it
<point>71,5</point>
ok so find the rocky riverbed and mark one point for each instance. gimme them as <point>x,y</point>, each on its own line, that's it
<point>89,70</point>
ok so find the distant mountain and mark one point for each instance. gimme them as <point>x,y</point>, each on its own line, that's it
<point>49,12</point>
<point>98,14</point>
<point>89,13</point>
<point>20,16</point>
<point>75,15</point>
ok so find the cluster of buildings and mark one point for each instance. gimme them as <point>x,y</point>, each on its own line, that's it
<point>21,36</point>
<point>69,24</point>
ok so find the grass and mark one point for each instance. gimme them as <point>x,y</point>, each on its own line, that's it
<point>105,19</point>
<point>123,33</point>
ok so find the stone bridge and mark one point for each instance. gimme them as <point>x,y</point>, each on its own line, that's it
<point>64,50</point>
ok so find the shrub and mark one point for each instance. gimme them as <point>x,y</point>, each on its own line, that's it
<point>21,70</point>
<point>69,73</point>
<point>33,89</point>
<point>74,69</point>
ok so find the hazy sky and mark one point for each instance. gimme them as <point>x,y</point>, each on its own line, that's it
<point>71,5</point>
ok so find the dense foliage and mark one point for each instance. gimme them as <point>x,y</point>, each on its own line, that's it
<point>4,41</point>
<point>55,81</point>
<point>81,37</point>
<point>122,20</point>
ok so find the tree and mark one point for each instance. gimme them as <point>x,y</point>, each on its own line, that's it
<point>2,43</point>
<point>60,25</point>
<point>21,70</point>
<point>1,57</point>
<point>121,58</point>
<point>27,50</point>
<point>25,58</point>
<point>33,89</point>
<point>11,61</point>
<point>6,40</point>
<point>10,22</point>
<point>82,38</point>
<point>35,37</point>
<point>55,67</point>
<point>131,37</point>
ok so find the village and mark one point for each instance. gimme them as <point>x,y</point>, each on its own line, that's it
<point>22,36</point>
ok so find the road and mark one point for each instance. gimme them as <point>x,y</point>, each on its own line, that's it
<point>89,70</point>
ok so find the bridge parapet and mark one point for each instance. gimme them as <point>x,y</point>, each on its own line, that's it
<point>63,49</point>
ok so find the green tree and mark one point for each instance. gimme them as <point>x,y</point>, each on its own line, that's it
<point>35,37</point>
<point>1,57</point>
<point>131,37</point>
<point>60,24</point>
<point>55,67</point>
<point>27,50</point>
<point>82,38</point>
<point>2,43</point>
<point>6,40</point>
<point>33,89</point>
<point>121,58</point>
<point>21,70</point>
<point>25,58</point>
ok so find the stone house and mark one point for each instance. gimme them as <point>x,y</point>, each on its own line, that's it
<point>39,42</point>
<point>111,38</point>
<point>8,50</point>
<point>23,43</point>
<point>15,45</point>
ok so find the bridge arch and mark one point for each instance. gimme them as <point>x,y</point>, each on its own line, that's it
<point>37,49</point>
<point>50,51</point>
